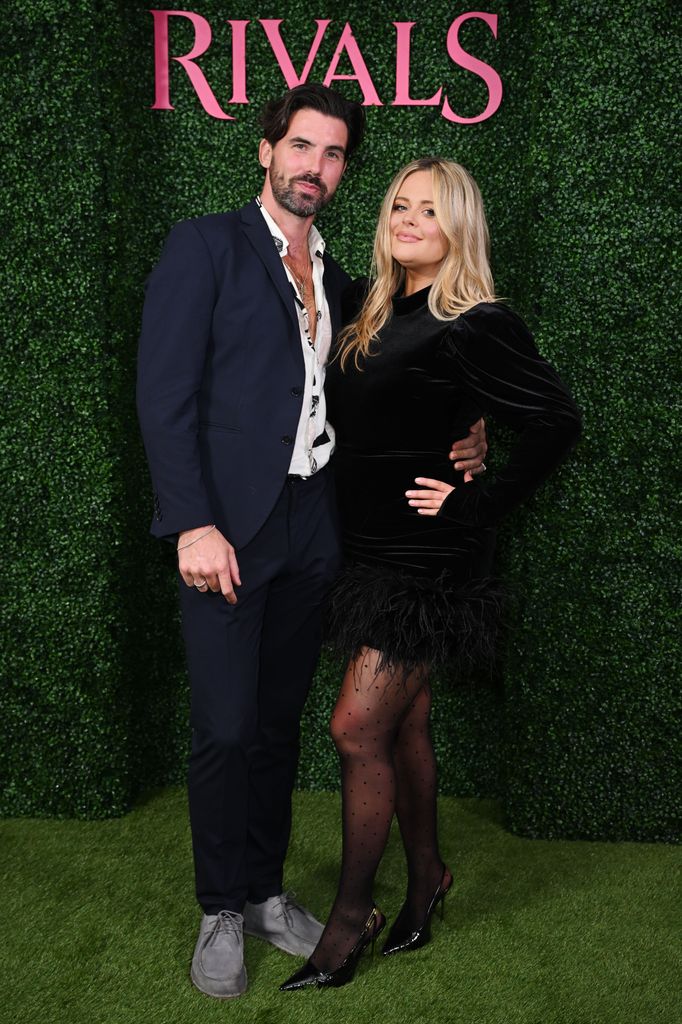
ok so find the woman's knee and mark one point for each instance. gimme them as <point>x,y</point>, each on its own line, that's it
<point>352,725</point>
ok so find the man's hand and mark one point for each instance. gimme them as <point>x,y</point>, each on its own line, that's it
<point>209,563</point>
<point>470,452</point>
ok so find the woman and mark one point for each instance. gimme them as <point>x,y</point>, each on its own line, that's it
<point>430,351</point>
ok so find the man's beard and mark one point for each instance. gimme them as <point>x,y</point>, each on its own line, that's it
<point>296,202</point>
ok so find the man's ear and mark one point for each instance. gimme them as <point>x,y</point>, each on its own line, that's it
<point>264,153</point>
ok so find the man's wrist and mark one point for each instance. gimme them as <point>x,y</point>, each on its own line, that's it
<point>194,530</point>
<point>188,537</point>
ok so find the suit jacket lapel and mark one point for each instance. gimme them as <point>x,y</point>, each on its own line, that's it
<point>256,230</point>
<point>333,293</point>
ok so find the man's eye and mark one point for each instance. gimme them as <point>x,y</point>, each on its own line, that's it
<point>299,145</point>
<point>333,155</point>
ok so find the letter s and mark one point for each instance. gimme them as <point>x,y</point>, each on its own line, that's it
<point>484,71</point>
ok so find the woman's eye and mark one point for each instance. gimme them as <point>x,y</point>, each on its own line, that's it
<point>430,213</point>
<point>398,206</point>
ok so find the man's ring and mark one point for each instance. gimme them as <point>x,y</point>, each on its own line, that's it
<point>483,467</point>
<point>200,585</point>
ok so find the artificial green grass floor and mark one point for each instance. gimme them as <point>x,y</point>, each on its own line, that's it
<point>99,922</point>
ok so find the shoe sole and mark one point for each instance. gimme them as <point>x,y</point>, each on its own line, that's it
<point>213,995</point>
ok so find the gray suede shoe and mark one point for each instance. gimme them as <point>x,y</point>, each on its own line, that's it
<point>285,923</point>
<point>218,962</point>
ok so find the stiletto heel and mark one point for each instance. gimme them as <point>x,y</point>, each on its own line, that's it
<point>401,937</point>
<point>341,975</point>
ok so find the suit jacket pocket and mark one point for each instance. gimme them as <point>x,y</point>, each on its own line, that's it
<point>207,425</point>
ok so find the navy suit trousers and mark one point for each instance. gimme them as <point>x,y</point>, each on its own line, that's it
<point>250,666</point>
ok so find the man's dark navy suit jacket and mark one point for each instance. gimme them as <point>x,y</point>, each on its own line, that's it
<point>221,374</point>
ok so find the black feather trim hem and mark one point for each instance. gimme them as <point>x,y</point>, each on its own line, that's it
<point>413,621</point>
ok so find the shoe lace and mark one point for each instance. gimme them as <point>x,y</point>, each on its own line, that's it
<point>226,921</point>
<point>287,904</point>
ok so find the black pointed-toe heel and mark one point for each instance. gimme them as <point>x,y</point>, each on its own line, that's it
<point>310,975</point>
<point>402,938</point>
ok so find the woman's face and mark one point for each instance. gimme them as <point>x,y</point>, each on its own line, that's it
<point>417,242</point>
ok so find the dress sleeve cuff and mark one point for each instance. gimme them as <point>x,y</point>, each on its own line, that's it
<point>470,505</point>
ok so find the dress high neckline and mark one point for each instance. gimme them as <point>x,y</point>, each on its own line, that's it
<point>403,304</point>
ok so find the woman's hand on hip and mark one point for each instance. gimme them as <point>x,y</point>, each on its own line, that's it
<point>431,495</point>
<point>469,453</point>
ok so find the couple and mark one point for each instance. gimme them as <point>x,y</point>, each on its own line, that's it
<point>241,313</point>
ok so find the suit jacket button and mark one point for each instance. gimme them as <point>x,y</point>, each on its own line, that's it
<point>296,392</point>
<point>287,439</point>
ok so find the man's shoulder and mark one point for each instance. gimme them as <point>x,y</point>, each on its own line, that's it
<point>214,227</point>
<point>215,233</point>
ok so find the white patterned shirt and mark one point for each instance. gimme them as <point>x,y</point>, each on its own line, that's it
<point>314,442</point>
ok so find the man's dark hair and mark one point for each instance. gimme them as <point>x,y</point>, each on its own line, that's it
<point>278,113</point>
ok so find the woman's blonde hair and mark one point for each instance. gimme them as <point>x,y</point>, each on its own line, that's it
<point>464,278</point>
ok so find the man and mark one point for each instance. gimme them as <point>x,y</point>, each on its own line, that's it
<point>239,316</point>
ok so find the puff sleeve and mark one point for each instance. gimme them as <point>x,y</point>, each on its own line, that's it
<point>492,355</point>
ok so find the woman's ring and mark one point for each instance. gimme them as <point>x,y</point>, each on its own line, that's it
<point>483,467</point>
<point>200,585</point>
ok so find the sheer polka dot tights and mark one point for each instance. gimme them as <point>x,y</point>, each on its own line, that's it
<point>380,726</point>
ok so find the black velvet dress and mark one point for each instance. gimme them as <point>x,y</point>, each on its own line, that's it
<point>420,588</point>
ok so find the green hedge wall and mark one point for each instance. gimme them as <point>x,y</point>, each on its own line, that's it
<point>576,731</point>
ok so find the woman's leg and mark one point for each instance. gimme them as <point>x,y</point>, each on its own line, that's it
<point>416,810</point>
<point>364,725</point>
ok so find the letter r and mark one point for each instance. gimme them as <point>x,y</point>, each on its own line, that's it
<point>202,41</point>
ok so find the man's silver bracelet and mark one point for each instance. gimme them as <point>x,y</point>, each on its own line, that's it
<point>181,547</point>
